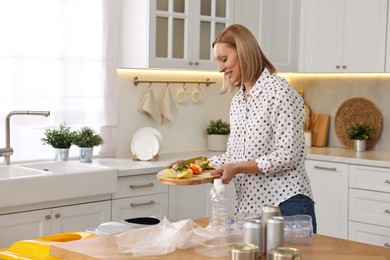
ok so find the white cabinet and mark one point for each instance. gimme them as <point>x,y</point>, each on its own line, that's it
<point>343,35</point>
<point>279,33</point>
<point>171,34</point>
<point>369,205</point>
<point>329,183</point>
<point>37,223</point>
<point>139,196</point>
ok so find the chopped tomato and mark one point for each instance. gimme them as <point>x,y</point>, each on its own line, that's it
<point>196,169</point>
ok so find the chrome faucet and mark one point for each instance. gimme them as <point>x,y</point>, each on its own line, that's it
<point>8,151</point>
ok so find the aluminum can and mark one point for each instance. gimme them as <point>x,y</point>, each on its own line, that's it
<point>285,253</point>
<point>266,212</point>
<point>252,233</point>
<point>243,252</point>
<point>275,233</point>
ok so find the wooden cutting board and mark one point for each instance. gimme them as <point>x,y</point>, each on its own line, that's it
<point>204,177</point>
<point>319,129</point>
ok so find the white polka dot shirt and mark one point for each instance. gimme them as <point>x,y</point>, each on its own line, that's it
<point>268,128</point>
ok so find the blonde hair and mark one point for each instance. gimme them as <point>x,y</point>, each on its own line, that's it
<point>251,58</point>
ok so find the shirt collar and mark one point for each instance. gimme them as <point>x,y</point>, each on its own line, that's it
<point>259,84</point>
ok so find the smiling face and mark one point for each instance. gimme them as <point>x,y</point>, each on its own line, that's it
<point>228,62</point>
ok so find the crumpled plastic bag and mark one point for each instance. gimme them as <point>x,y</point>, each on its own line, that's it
<point>160,239</point>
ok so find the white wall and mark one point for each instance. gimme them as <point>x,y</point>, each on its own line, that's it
<point>186,133</point>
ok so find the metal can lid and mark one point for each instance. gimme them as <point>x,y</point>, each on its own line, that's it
<point>243,248</point>
<point>276,219</point>
<point>289,252</point>
<point>252,223</point>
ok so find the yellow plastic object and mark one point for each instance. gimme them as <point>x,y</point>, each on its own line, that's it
<point>39,248</point>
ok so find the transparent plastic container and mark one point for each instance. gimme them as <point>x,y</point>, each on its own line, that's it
<point>218,205</point>
<point>298,229</point>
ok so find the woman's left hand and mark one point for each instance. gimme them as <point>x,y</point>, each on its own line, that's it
<point>226,171</point>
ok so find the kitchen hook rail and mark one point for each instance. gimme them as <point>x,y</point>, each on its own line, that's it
<point>208,82</point>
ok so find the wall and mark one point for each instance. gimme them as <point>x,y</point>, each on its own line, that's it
<point>186,133</point>
<point>323,93</point>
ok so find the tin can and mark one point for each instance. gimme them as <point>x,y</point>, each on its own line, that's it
<point>266,212</point>
<point>275,233</point>
<point>243,252</point>
<point>252,232</point>
<point>285,253</point>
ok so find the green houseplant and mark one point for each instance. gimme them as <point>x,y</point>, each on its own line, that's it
<point>86,138</point>
<point>217,134</point>
<point>359,133</point>
<point>61,139</point>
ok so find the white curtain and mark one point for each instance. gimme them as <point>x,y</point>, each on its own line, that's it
<point>60,56</point>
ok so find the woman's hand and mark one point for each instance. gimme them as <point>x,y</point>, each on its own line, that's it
<point>171,164</point>
<point>227,172</point>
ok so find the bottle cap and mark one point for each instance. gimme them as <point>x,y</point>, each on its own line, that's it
<point>217,182</point>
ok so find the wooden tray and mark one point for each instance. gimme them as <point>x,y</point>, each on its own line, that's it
<point>358,110</point>
<point>204,177</point>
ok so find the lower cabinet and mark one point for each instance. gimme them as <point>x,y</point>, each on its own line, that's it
<point>369,205</point>
<point>37,223</point>
<point>329,183</point>
<point>139,196</point>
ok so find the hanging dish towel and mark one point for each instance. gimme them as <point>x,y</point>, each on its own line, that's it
<point>167,105</point>
<point>148,105</point>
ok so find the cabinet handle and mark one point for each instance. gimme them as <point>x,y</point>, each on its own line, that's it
<point>325,168</point>
<point>387,211</point>
<point>387,181</point>
<point>196,63</point>
<point>386,244</point>
<point>143,203</point>
<point>337,66</point>
<point>141,186</point>
<point>58,215</point>
<point>344,66</point>
<point>47,217</point>
<point>190,63</point>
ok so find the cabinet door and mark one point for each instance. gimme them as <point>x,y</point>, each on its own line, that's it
<point>25,225</point>
<point>80,217</point>
<point>280,33</point>
<point>365,35</point>
<point>370,234</point>
<point>329,183</point>
<point>142,206</point>
<point>322,35</point>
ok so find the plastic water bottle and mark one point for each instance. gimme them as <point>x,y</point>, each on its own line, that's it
<point>218,206</point>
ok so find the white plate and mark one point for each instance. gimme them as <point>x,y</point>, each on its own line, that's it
<point>144,146</point>
<point>150,130</point>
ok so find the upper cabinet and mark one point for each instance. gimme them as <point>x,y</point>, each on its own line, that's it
<point>171,33</point>
<point>279,33</point>
<point>343,36</point>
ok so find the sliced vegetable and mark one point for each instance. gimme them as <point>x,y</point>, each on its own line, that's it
<point>196,169</point>
<point>184,164</point>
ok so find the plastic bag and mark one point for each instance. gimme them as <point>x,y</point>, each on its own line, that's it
<point>298,229</point>
<point>160,239</point>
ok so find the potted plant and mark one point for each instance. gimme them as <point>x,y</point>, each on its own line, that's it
<point>217,134</point>
<point>86,138</point>
<point>61,139</point>
<point>359,133</point>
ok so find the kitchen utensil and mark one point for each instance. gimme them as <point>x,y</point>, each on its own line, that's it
<point>181,94</point>
<point>144,146</point>
<point>306,125</point>
<point>204,177</point>
<point>358,110</point>
<point>319,129</point>
<point>195,96</point>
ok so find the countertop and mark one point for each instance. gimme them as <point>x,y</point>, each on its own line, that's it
<point>127,166</point>
<point>321,248</point>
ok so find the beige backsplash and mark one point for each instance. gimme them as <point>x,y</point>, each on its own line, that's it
<point>324,93</point>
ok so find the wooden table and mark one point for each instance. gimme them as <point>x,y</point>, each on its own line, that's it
<point>321,248</point>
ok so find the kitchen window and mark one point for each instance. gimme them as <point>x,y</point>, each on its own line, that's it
<point>56,55</point>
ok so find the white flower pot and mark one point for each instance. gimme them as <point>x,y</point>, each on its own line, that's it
<point>217,143</point>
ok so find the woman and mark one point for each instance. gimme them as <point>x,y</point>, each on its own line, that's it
<point>266,150</point>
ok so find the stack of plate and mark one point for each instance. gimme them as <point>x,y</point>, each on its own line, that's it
<point>145,144</point>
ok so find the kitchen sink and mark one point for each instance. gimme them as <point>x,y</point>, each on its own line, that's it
<point>53,181</point>
<point>12,171</point>
<point>61,167</point>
